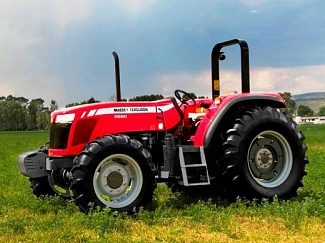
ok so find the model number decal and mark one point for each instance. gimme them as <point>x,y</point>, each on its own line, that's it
<point>120,116</point>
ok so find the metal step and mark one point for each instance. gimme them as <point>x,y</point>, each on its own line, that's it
<point>185,167</point>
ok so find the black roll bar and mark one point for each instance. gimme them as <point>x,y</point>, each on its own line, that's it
<point>217,55</point>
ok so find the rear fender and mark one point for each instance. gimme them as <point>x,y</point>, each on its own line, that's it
<point>228,110</point>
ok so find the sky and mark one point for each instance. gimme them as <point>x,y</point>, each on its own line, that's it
<point>62,50</point>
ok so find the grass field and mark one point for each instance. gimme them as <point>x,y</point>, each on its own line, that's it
<point>173,217</point>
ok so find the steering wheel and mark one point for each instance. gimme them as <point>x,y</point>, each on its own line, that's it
<point>178,93</point>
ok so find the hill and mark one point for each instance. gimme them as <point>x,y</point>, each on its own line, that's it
<point>314,100</point>
<point>312,95</point>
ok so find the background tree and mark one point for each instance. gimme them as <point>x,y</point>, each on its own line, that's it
<point>113,98</point>
<point>89,101</point>
<point>321,111</point>
<point>17,113</point>
<point>43,119</point>
<point>53,106</point>
<point>147,97</point>
<point>13,113</point>
<point>304,110</point>
<point>35,107</point>
<point>187,98</point>
<point>291,104</point>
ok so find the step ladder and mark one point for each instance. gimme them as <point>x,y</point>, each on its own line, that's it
<point>192,159</point>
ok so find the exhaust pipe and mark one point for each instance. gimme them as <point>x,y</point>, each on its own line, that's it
<point>117,76</point>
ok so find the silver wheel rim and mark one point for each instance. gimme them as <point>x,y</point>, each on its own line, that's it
<point>60,188</point>
<point>117,180</point>
<point>270,159</point>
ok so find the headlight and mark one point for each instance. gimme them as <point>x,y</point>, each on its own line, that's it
<point>66,118</point>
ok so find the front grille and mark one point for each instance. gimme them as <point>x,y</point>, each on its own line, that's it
<point>59,135</point>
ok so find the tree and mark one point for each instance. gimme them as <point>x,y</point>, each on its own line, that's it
<point>291,104</point>
<point>185,97</point>
<point>304,110</point>
<point>321,111</point>
<point>147,97</point>
<point>53,105</point>
<point>35,107</point>
<point>43,119</point>
<point>17,113</point>
<point>13,113</point>
<point>91,100</point>
<point>21,100</point>
<point>113,98</point>
<point>10,115</point>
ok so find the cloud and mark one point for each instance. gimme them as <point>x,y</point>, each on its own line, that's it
<point>198,83</point>
<point>64,47</point>
<point>295,80</point>
<point>69,12</point>
<point>32,87</point>
<point>28,30</point>
<point>134,6</point>
<point>273,80</point>
<point>28,20</point>
<point>252,2</point>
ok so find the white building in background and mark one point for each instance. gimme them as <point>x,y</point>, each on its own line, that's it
<point>310,120</point>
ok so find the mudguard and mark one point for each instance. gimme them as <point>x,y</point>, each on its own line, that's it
<point>222,106</point>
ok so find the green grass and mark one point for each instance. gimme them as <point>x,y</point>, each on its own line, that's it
<point>173,217</point>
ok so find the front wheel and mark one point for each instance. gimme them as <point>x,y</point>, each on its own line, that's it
<point>264,156</point>
<point>55,184</point>
<point>115,172</point>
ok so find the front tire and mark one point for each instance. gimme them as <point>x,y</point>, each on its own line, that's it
<point>115,172</point>
<point>264,156</point>
<point>55,184</point>
<point>52,185</point>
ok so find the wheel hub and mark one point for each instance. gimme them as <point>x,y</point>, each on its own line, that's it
<point>269,158</point>
<point>264,159</point>
<point>114,180</point>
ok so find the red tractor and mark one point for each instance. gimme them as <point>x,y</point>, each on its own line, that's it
<point>112,154</point>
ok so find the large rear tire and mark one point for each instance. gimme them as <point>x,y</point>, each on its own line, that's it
<point>264,156</point>
<point>115,172</point>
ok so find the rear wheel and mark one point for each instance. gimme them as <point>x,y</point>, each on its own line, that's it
<point>115,172</point>
<point>264,156</point>
<point>270,159</point>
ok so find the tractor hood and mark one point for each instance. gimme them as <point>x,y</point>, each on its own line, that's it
<point>74,127</point>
